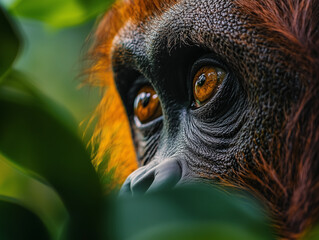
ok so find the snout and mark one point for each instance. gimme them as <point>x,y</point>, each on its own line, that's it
<point>146,179</point>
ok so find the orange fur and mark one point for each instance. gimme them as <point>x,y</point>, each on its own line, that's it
<point>112,132</point>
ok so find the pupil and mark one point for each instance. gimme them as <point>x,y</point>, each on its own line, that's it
<point>145,99</point>
<point>201,80</point>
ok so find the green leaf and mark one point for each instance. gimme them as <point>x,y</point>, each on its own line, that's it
<point>59,13</point>
<point>187,212</point>
<point>18,81</point>
<point>9,42</point>
<point>17,222</point>
<point>39,198</point>
<point>96,6</point>
<point>199,231</point>
<point>38,141</point>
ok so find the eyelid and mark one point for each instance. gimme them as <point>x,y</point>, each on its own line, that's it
<point>207,60</point>
<point>146,126</point>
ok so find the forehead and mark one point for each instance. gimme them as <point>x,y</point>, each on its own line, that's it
<point>251,44</point>
<point>216,25</point>
<point>187,15</point>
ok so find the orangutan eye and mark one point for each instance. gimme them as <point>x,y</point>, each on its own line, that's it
<point>206,82</point>
<point>147,106</point>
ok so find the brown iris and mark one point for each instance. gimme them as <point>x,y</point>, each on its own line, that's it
<point>206,82</point>
<point>147,106</point>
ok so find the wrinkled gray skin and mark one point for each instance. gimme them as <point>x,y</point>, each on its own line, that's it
<point>188,144</point>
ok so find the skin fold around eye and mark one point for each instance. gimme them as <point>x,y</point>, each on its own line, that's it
<point>206,82</point>
<point>147,106</point>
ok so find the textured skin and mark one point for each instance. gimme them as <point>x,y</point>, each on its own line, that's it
<point>246,110</point>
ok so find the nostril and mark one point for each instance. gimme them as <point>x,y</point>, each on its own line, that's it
<point>142,185</point>
<point>167,175</point>
<point>126,189</point>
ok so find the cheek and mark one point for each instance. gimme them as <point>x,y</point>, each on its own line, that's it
<point>146,141</point>
<point>212,145</point>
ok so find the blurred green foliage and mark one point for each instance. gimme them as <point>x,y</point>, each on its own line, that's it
<point>58,13</point>
<point>14,226</point>
<point>33,90</point>
<point>48,187</point>
<point>10,43</point>
<point>189,212</point>
<point>52,151</point>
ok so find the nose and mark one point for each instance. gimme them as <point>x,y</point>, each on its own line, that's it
<point>147,179</point>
